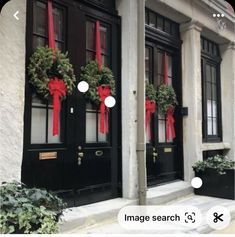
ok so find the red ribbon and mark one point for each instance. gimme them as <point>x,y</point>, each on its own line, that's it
<point>150,107</point>
<point>98,46</point>
<point>57,89</point>
<point>170,129</point>
<point>103,91</point>
<point>51,34</point>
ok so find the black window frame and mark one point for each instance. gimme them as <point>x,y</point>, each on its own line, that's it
<point>210,55</point>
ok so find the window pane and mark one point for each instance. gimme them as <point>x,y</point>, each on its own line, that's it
<point>208,73</point>
<point>38,42</point>
<point>214,126</point>
<point>90,35</point>
<point>38,126</point>
<point>213,74</point>
<point>214,109</point>
<point>169,69</point>
<point>147,66</point>
<point>160,22</point>
<point>209,126</point>
<point>161,131</point>
<point>58,24</point>
<point>40,18</point>
<point>37,101</point>
<point>152,19</point>
<point>214,92</point>
<point>159,63</point>
<point>91,127</point>
<point>51,138</point>
<point>105,60</point>
<point>208,91</point>
<point>90,56</point>
<point>209,109</point>
<point>167,26</point>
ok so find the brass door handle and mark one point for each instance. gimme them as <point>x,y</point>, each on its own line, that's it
<point>99,153</point>
<point>155,154</point>
<point>81,154</point>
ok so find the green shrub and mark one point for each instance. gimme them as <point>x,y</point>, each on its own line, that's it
<point>218,162</point>
<point>28,210</point>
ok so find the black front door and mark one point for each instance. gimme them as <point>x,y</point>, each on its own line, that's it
<point>81,161</point>
<point>164,158</point>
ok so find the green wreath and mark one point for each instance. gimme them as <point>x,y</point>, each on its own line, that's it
<point>42,67</point>
<point>166,98</point>
<point>91,74</point>
<point>150,92</point>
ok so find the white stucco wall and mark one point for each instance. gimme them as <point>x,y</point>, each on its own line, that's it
<point>12,83</point>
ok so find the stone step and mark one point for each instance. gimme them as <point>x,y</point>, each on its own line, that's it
<point>93,214</point>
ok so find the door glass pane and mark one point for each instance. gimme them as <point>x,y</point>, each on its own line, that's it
<point>208,73</point>
<point>91,122</point>
<point>214,108</point>
<point>36,101</point>
<point>38,126</point>
<point>58,23</point>
<point>214,126</point>
<point>51,138</point>
<point>90,56</point>
<point>209,109</point>
<point>213,74</point>
<point>40,19</point>
<point>90,35</point>
<point>161,131</point>
<point>103,38</point>
<point>101,137</point>
<point>159,63</point>
<point>38,42</point>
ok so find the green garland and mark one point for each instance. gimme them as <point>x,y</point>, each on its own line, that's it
<point>150,92</point>
<point>43,67</point>
<point>91,74</point>
<point>166,98</point>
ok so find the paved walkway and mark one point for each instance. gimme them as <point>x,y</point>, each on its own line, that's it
<point>204,203</point>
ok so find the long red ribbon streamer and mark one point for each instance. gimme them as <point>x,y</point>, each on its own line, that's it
<point>103,92</point>
<point>170,129</point>
<point>150,107</point>
<point>56,87</point>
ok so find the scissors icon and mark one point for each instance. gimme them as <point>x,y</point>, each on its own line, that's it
<point>217,217</point>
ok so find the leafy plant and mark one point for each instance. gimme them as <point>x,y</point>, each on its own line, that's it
<point>166,98</point>
<point>43,66</point>
<point>91,74</point>
<point>218,162</point>
<point>28,210</point>
<point>150,92</point>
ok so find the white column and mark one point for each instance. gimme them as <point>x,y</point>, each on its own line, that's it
<point>12,78</point>
<point>191,83</point>
<point>127,9</point>
<point>228,95</point>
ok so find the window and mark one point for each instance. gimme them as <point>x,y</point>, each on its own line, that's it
<point>41,110</point>
<point>210,64</point>
<point>92,111</point>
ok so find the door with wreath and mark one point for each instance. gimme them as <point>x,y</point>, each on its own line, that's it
<point>164,146</point>
<point>76,154</point>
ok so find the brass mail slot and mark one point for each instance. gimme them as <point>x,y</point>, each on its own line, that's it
<point>47,155</point>
<point>167,149</point>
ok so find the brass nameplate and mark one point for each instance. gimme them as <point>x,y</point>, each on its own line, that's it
<point>167,149</point>
<point>47,155</point>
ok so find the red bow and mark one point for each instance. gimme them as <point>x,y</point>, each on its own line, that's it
<point>170,130</point>
<point>150,107</point>
<point>57,89</point>
<point>103,91</point>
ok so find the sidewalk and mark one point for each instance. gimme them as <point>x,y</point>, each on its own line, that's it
<point>204,203</point>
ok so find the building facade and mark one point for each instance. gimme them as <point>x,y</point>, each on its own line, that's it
<point>200,49</point>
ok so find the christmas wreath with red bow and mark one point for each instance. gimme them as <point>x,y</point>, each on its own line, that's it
<point>150,106</point>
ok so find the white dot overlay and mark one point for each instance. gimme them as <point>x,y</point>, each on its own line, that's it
<point>110,101</point>
<point>196,182</point>
<point>83,86</point>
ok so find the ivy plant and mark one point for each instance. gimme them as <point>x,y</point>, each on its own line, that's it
<point>218,162</point>
<point>28,210</point>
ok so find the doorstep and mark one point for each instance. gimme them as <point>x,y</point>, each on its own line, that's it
<point>93,214</point>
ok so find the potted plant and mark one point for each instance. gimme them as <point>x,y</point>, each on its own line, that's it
<point>28,210</point>
<point>217,174</point>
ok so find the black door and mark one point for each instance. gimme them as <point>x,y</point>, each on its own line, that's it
<point>164,158</point>
<point>80,162</point>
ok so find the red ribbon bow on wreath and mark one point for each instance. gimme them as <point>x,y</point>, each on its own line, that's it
<point>150,107</point>
<point>56,87</point>
<point>103,91</point>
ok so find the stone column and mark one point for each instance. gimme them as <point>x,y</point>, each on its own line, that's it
<point>227,69</point>
<point>127,9</point>
<point>191,83</point>
<point>12,78</point>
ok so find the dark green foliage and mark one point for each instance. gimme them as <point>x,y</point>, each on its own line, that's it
<point>218,162</point>
<point>25,210</point>
<point>42,67</point>
<point>150,92</point>
<point>166,98</point>
<point>91,74</point>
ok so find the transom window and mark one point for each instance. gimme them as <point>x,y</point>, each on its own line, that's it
<point>211,91</point>
<point>42,110</point>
